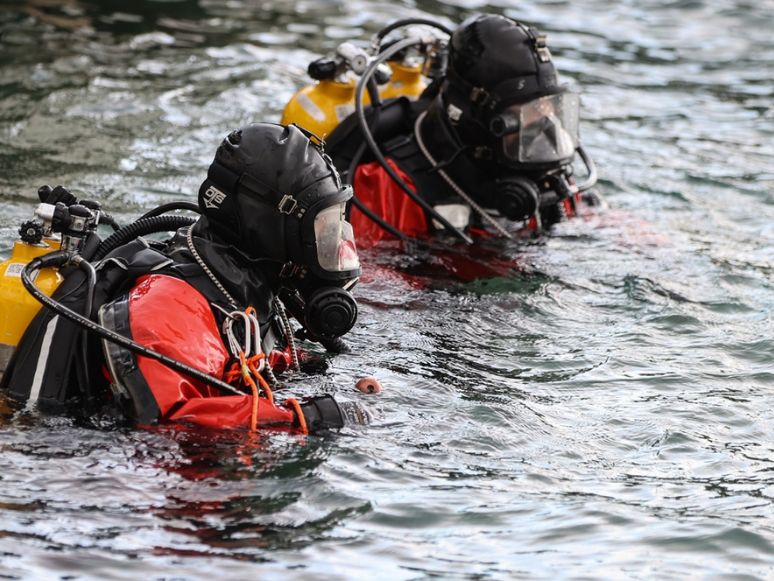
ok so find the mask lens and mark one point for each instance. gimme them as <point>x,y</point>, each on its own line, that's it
<point>336,251</point>
<point>548,129</point>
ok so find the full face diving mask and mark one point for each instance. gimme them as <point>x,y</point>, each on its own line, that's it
<point>285,202</point>
<point>321,271</point>
<point>331,311</point>
<point>538,133</point>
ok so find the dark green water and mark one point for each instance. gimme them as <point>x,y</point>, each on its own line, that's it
<point>606,411</point>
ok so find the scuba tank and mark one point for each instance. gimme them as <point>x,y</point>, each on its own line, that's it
<point>406,81</point>
<point>59,223</point>
<point>320,108</point>
<point>17,306</point>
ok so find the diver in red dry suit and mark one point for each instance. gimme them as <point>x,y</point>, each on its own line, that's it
<point>271,238</point>
<point>494,134</point>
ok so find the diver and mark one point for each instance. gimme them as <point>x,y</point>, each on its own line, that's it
<point>493,136</point>
<point>196,329</point>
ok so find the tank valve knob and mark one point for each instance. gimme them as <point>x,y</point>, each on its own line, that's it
<point>91,205</point>
<point>31,232</point>
<point>44,192</point>
<point>383,74</point>
<point>322,68</point>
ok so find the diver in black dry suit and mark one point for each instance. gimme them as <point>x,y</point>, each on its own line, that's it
<point>497,133</point>
<point>271,236</point>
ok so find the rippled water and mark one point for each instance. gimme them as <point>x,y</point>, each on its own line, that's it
<point>602,410</point>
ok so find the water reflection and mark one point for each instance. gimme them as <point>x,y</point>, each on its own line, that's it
<point>229,494</point>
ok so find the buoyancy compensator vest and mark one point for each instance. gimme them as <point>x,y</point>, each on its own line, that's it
<point>394,129</point>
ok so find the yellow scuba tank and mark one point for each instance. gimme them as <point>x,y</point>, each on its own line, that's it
<point>406,81</point>
<point>319,108</point>
<point>17,305</point>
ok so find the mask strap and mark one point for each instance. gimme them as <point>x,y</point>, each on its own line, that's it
<point>476,95</point>
<point>312,137</point>
<point>234,182</point>
<point>538,41</point>
<point>319,145</point>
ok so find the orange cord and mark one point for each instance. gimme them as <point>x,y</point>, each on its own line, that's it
<point>254,414</point>
<point>301,419</point>
<point>243,369</point>
<point>249,380</point>
<point>264,383</point>
<point>234,374</point>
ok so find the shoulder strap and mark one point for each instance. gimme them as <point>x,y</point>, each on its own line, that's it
<point>130,389</point>
<point>394,118</point>
<point>47,365</point>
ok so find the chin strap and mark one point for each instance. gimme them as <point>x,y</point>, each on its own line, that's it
<point>484,214</point>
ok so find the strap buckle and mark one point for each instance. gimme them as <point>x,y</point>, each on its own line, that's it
<point>541,48</point>
<point>479,95</point>
<point>287,204</point>
<point>288,270</point>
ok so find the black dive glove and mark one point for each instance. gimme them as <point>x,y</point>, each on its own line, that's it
<point>324,412</point>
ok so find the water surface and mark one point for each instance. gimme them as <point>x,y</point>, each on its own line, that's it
<point>602,409</point>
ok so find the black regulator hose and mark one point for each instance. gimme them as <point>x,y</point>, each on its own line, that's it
<point>398,46</point>
<point>59,258</point>
<point>141,227</point>
<point>409,22</point>
<point>164,208</point>
<point>92,284</point>
<point>592,169</point>
<point>110,221</point>
<point>376,103</point>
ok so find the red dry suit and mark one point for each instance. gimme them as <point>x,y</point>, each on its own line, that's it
<point>378,191</point>
<point>170,316</point>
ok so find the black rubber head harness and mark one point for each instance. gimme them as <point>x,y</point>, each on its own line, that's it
<point>263,192</point>
<point>496,62</point>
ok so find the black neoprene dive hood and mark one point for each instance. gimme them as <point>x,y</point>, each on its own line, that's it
<point>272,193</point>
<point>494,63</point>
<point>504,58</point>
